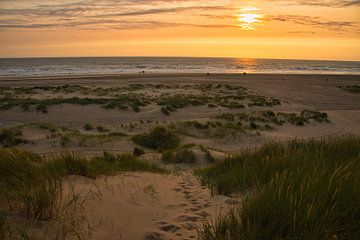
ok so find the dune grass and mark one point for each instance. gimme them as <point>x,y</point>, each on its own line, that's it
<point>130,97</point>
<point>26,186</point>
<point>32,185</point>
<point>159,138</point>
<point>182,154</point>
<point>2,225</point>
<point>107,164</point>
<point>352,89</point>
<point>41,105</point>
<point>267,120</point>
<point>11,137</point>
<point>138,151</point>
<point>295,190</point>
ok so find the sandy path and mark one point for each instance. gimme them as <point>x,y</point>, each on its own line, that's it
<point>148,206</point>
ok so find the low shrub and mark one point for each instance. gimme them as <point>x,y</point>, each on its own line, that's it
<point>138,151</point>
<point>26,186</point>
<point>159,138</point>
<point>352,89</point>
<point>11,137</point>
<point>88,127</point>
<point>181,155</point>
<point>107,164</point>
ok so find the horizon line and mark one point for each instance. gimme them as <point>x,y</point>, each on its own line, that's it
<point>260,58</point>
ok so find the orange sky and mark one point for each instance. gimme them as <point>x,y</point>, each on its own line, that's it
<point>298,29</point>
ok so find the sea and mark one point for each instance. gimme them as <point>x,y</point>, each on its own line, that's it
<point>30,67</point>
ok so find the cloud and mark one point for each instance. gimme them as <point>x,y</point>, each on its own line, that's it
<point>113,24</point>
<point>333,3</point>
<point>164,10</point>
<point>118,14</point>
<point>147,14</point>
<point>315,22</point>
<point>323,3</point>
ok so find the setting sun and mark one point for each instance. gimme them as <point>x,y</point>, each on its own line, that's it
<point>249,18</point>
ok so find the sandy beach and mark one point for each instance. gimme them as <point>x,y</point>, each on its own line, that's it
<point>296,93</point>
<point>152,206</point>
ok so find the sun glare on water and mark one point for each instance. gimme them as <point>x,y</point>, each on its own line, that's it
<point>250,18</point>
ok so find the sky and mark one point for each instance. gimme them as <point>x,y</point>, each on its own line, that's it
<point>283,29</point>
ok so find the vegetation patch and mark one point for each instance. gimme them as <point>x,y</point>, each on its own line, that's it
<point>11,137</point>
<point>183,154</point>
<point>121,102</point>
<point>138,151</point>
<point>66,135</point>
<point>130,96</point>
<point>88,127</point>
<point>107,164</point>
<point>257,100</point>
<point>352,89</point>
<point>171,103</point>
<point>295,190</point>
<point>229,124</point>
<point>267,120</point>
<point>159,138</point>
<point>31,187</point>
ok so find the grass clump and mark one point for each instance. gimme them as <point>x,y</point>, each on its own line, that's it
<point>295,190</point>
<point>107,164</point>
<point>261,101</point>
<point>165,111</point>
<point>171,103</point>
<point>88,127</point>
<point>31,187</point>
<point>11,137</point>
<point>27,187</point>
<point>352,89</point>
<point>138,151</point>
<point>121,102</point>
<point>183,154</point>
<point>159,138</point>
<point>3,225</point>
<point>315,116</point>
<point>267,120</point>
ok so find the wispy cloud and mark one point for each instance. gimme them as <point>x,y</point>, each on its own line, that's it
<point>148,14</point>
<point>117,14</point>
<point>315,22</point>
<point>323,3</point>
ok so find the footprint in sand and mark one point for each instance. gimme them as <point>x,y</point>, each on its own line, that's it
<point>189,226</point>
<point>175,206</point>
<point>202,214</point>
<point>154,236</point>
<point>187,218</point>
<point>167,227</point>
<point>193,209</point>
<point>177,189</point>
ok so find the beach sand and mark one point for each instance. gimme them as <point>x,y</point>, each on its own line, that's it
<point>151,206</point>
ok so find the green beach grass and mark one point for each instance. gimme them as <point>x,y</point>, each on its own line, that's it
<point>31,186</point>
<point>159,138</point>
<point>182,154</point>
<point>302,189</point>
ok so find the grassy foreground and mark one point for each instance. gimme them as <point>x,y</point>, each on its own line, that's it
<point>31,188</point>
<point>295,190</point>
